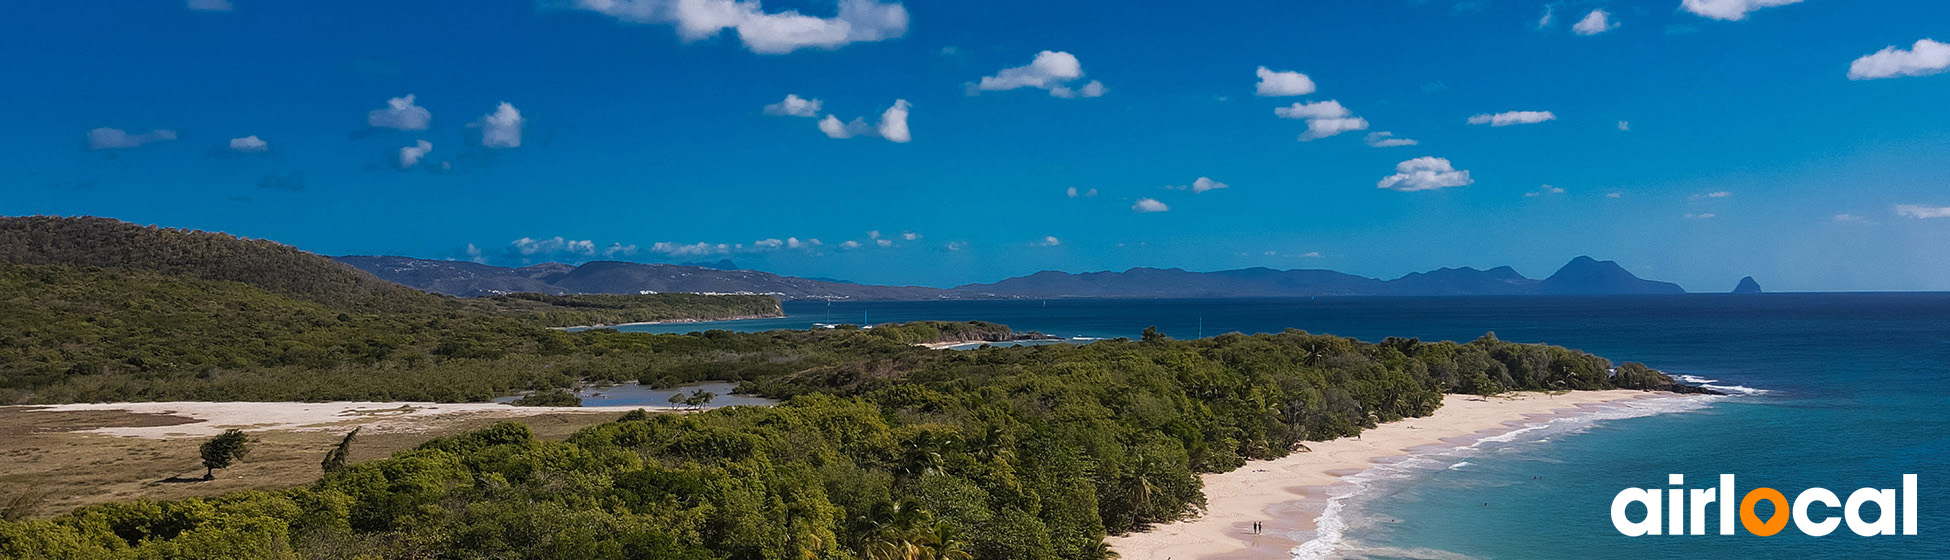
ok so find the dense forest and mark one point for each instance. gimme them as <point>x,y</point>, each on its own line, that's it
<point>881,450</point>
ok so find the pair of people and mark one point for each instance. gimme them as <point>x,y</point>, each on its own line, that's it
<point>1258,527</point>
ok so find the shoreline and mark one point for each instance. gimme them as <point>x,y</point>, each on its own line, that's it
<point>1290,494</point>
<point>670,322</point>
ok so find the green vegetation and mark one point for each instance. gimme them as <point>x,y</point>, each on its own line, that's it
<point>552,397</point>
<point>882,449</point>
<point>223,451</point>
<point>605,309</point>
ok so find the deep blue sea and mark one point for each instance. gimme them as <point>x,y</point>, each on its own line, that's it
<point>1851,391</point>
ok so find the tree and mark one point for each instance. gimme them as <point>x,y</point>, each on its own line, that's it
<point>336,458</point>
<point>699,398</point>
<point>223,451</point>
<point>1151,334</point>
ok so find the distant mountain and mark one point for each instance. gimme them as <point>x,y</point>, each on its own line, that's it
<point>1747,285</point>
<point>1582,276</point>
<point>1588,276</point>
<point>612,277</point>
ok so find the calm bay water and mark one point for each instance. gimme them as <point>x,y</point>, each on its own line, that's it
<point>1857,393</point>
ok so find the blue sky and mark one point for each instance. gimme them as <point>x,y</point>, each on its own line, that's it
<point>1804,143</point>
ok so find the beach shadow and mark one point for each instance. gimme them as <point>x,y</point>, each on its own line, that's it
<point>182,479</point>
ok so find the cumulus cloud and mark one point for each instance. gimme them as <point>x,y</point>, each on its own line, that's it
<point>401,114</point>
<point>892,126</point>
<point>410,156</point>
<point>1324,118</point>
<point>1625,126</point>
<point>1705,216</point>
<point>528,246</point>
<point>210,5</point>
<point>1729,10</point>
<point>1922,212</point>
<point>1050,70</point>
<point>1512,118</point>
<point>1922,59</point>
<point>850,244</point>
<point>794,106</point>
<point>1598,21</point>
<point>1073,192</point>
<point>1149,205</point>
<point>249,145</point>
<point>762,32</point>
<point>501,128</point>
<point>1424,174</point>
<point>1714,194</point>
<point>893,122</point>
<point>1388,140</point>
<point>1199,185</point>
<point>115,139</point>
<point>1050,241</point>
<point>691,250</point>
<point>1274,83</point>
<point>910,236</point>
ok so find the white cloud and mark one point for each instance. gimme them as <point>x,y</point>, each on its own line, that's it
<point>1852,219</point>
<point>501,128</point>
<point>1714,194</point>
<point>1922,212</point>
<point>1322,128</point>
<point>1550,16</point>
<point>691,250</point>
<point>1706,216</point>
<point>1050,70</point>
<point>1598,21</point>
<point>114,138</point>
<point>1614,195</point>
<point>210,5</point>
<point>1424,174</point>
<point>617,249</point>
<point>762,32</point>
<point>1050,241</point>
<point>884,242</point>
<point>850,245</point>
<point>892,126</point>
<point>1073,192</point>
<point>794,106</point>
<point>1329,109</point>
<point>400,113</point>
<point>1624,125</point>
<point>1311,254</point>
<point>1388,140</point>
<point>1280,84</point>
<point>527,246</point>
<point>249,145</point>
<point>910,236</point>
<point>1149,205</point>
<point>1545,190</point>
<point>1922,59</point>
<point>893,122</point>
<point>955,246</point>
<point>874,234</point>
<point>1513,117</point>
<point>769,243</point>
<point>1199,185</point>
<point>410,156</point>
<point>833,128</point>
<point>1324,118</point>
<point>1729,10</point>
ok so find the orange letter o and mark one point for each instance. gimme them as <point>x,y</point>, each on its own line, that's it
<point>1752,522</point>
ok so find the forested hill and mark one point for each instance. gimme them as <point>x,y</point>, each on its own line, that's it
<point>279,268</point>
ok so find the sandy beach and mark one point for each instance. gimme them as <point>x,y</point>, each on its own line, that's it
<point>1288,494</point>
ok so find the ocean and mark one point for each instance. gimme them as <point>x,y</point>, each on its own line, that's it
<point>1838,391</point>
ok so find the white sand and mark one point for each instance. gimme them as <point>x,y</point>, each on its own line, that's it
<point>1275,492</point>
<point>215,417</point>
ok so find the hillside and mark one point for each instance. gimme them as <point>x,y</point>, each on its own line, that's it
<point>610,277</point>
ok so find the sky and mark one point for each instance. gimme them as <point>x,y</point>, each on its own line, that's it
<point>925,142</point>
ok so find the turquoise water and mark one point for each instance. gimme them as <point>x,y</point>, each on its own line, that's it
<point>1856,393</point>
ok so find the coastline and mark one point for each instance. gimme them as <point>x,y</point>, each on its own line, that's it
<point>1288,495</point>
<point>670,322</point>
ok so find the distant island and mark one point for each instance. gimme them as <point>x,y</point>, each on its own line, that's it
<point>1581,276</point>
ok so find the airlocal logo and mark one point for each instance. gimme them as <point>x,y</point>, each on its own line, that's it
<point>1680,519</point>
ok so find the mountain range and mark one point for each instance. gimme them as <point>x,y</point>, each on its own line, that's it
<point>1581,276</point>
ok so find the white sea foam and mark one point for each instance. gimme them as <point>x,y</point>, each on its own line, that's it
<point>1711,384</point>
<point>1330,532</point>
<point>1459,466</point>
